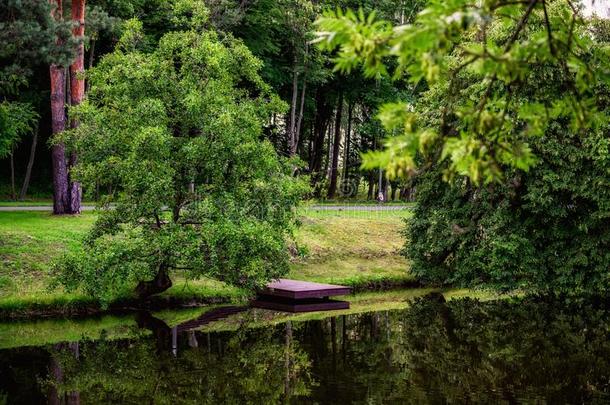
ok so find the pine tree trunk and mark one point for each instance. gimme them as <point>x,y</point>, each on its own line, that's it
<point>336,144</point>
<point>77,92</point>
<point>58,125</point>
<point>28,170</point>
<point>58,153</point>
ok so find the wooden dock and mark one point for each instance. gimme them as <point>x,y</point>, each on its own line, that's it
<point>301,296</point>
<point>296,289</point>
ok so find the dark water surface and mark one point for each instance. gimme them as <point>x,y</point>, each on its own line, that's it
<point>461,351</point>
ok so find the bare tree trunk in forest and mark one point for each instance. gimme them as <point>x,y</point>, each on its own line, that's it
<point>12,162</point>
<point>297,128</point>
<point>329,150</point>
<point>58,124</point>
<point>28,170</point>
<point>394,188</point>
<point>336,144</point>
<point>347,141</point>
<point>322,118</point>
<point>77,91</point>
<point>370,194</point>
<point>292,145</point>
<point>300,118</point>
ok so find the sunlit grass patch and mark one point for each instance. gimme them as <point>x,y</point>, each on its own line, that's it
<point>355,212</point>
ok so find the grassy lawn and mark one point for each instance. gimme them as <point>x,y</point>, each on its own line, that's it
<point>357,249</point>
<point>358,201</point>
<point>350,248</point>
<point>35,202</point>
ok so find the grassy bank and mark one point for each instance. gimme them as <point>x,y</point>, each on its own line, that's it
<point>112,326</point>
<point>357,249</point>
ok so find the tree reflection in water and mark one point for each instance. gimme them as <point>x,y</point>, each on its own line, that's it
<point>527,350</point>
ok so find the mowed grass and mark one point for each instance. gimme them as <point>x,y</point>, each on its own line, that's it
<point>332,246</point>
<point>358,251</point>
<point>29,241</point>
<point>34,202</point>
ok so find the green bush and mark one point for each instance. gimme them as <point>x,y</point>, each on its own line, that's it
<point>545,229</point>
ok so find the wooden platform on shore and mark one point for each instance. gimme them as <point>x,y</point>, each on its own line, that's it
<point>300,296</point>
<point>297,290</point>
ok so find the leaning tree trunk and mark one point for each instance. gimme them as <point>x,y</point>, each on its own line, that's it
<point>297,136</point>
<point>297,128</point>
<point>77,91</point>
<point>157,285</point>
<point>28,170</point>
<point>332,188</point>
<point>58,125</point>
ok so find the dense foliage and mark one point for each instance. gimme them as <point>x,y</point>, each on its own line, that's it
<point>331,116</point>
<point>173,140</point>
<point>480,62</point>
<point>544,230</point>
<point>508,145</point>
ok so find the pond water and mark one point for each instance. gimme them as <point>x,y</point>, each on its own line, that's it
<point>432,351</point>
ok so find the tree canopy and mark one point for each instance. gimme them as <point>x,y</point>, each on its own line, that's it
<point>506,142</point>
<point>479,61</point>
<point>173,139</point>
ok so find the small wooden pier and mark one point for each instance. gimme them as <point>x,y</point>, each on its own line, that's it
<point>301,296</point>
<point>282,295</point>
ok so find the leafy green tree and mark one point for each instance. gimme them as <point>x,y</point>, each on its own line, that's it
<point>508,145</point>
<point>479,59</point>
<point>173,139</point>
<point>15,121</point>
